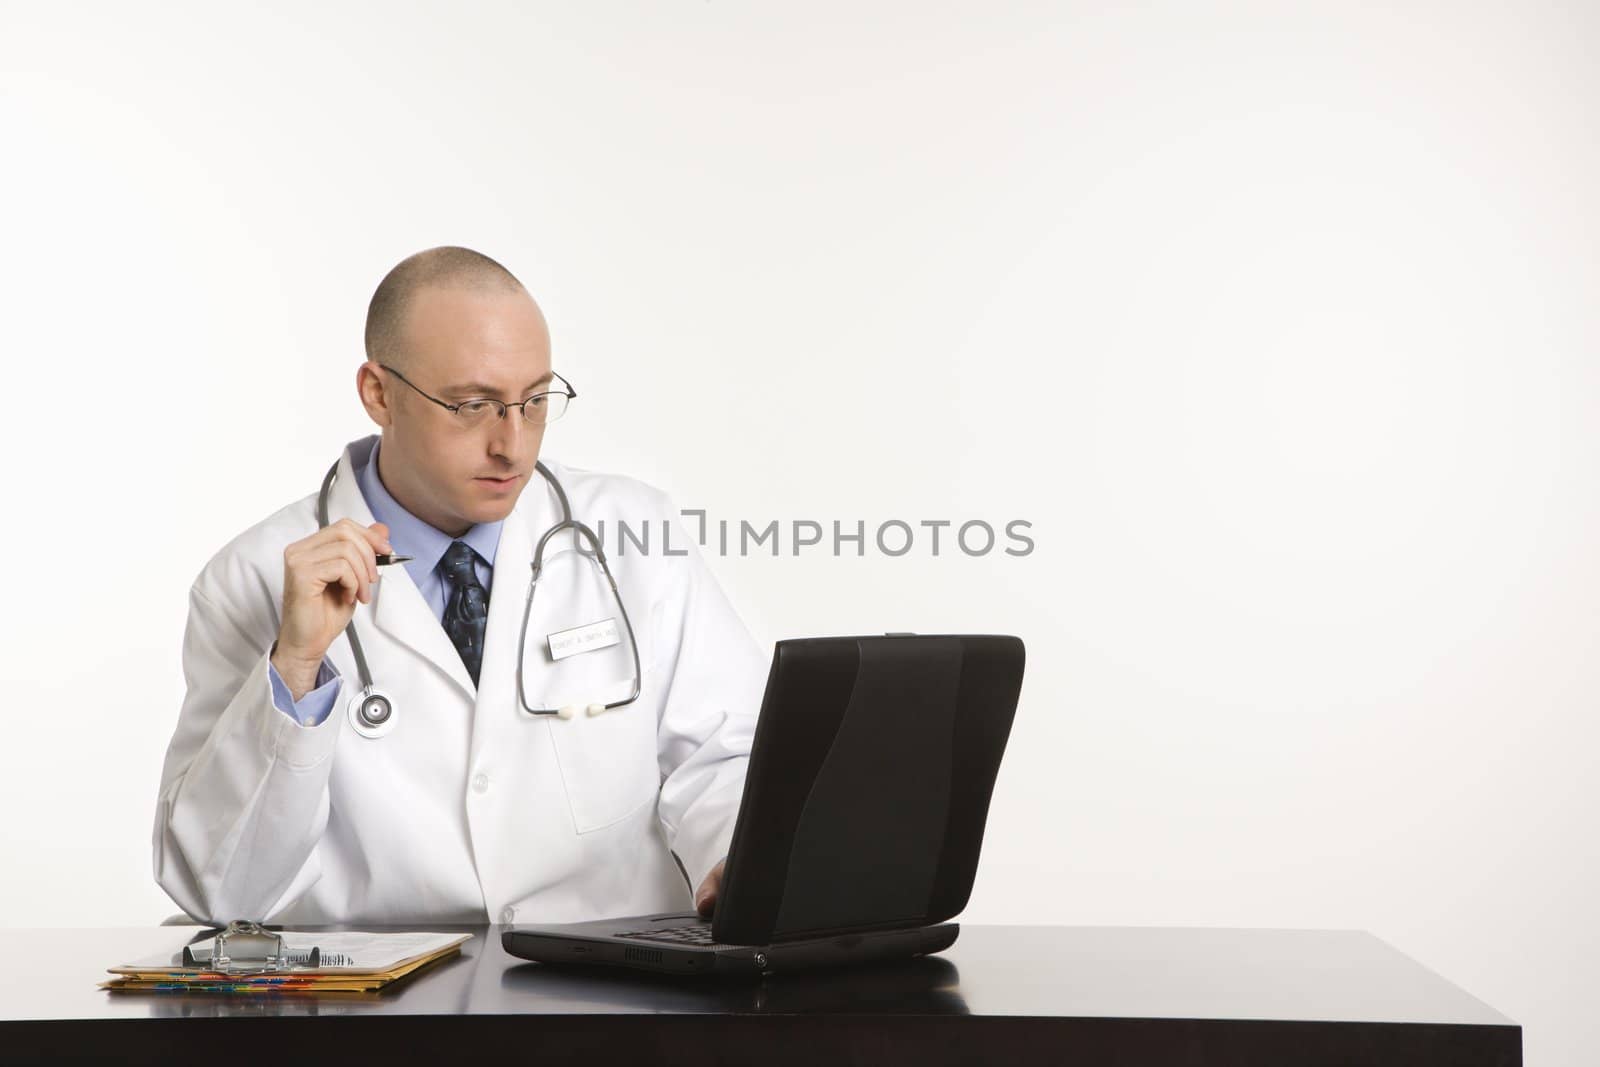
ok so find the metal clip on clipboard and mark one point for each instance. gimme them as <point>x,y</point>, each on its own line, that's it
<point>246,947</point>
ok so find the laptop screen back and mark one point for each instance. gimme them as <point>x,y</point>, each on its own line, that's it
<point>869,782</point>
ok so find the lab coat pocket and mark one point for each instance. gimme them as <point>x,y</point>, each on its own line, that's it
<point>608,760</point>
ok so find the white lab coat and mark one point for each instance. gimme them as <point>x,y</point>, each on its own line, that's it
<point>469,809</point>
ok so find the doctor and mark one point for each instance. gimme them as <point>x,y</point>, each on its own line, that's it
<point>278,802</point>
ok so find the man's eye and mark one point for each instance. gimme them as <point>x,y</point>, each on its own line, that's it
<point>477,407</point>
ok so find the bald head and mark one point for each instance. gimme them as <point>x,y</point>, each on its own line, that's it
<point>446,267</point>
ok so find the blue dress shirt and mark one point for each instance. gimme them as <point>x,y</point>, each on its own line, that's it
<point>410,536</point>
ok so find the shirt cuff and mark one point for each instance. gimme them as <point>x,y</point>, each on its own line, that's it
<point>315,706</point>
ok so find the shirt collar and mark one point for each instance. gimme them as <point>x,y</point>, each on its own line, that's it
<point>412,537</point>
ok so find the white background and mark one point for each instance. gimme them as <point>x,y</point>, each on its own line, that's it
<point>1277,322</point>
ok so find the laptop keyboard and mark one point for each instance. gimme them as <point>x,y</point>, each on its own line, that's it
<point>694,933</point>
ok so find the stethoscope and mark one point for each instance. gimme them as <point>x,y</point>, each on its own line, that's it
<point>372,709</point>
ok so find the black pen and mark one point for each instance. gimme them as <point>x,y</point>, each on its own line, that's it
<point>385,559</point>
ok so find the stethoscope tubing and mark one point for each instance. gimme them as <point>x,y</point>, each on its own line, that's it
<point>381,706</point>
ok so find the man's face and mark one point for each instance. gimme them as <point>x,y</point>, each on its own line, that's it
<point>461,344</point>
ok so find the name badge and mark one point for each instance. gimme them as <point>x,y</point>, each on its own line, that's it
<point>602,634</point>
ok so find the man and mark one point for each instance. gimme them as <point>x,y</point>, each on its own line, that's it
<point>277,803</point>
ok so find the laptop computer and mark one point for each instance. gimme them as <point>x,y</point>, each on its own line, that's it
<point>861,820</point>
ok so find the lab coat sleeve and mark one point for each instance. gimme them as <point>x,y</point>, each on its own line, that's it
<point>244,790</point>
<point>714,675</point>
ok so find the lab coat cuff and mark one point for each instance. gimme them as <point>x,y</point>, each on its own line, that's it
<point>284,737</point>
<point>315,706</point>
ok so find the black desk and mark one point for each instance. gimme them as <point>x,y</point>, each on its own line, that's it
<point>1002,994</point>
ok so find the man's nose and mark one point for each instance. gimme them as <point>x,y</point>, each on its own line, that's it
<point>506,436</point>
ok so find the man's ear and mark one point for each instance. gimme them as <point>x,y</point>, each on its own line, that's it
<point>370,387</point>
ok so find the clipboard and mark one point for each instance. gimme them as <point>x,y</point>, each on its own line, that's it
<point>247,956</point>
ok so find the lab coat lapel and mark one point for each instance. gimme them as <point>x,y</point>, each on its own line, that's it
<point>397,606</point>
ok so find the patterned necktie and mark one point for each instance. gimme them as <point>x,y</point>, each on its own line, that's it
<point>466,613</point>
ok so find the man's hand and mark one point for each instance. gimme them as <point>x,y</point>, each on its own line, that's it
<point>706,899</point>
<point>324,575</point>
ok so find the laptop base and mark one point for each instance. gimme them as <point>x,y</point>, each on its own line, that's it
<point>599,942</point>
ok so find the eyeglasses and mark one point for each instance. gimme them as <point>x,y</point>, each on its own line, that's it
<point>538,410</point>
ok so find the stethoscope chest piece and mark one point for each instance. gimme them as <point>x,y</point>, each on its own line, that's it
<point>372,712</point>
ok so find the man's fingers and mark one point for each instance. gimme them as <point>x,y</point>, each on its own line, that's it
<point>359,555</point>
<point>367,541</point>
<point>376,536</point>
<point>342,565</point>
<point>364,566</point>
<point>336,570</point>
<point>361,539</point>
<point>345,531</point>
<point>705,901</point>
<point>337,564</point>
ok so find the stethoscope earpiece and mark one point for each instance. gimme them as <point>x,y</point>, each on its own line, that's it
<point>571,710</point>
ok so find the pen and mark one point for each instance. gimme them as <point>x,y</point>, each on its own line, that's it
<point>384,559</point>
